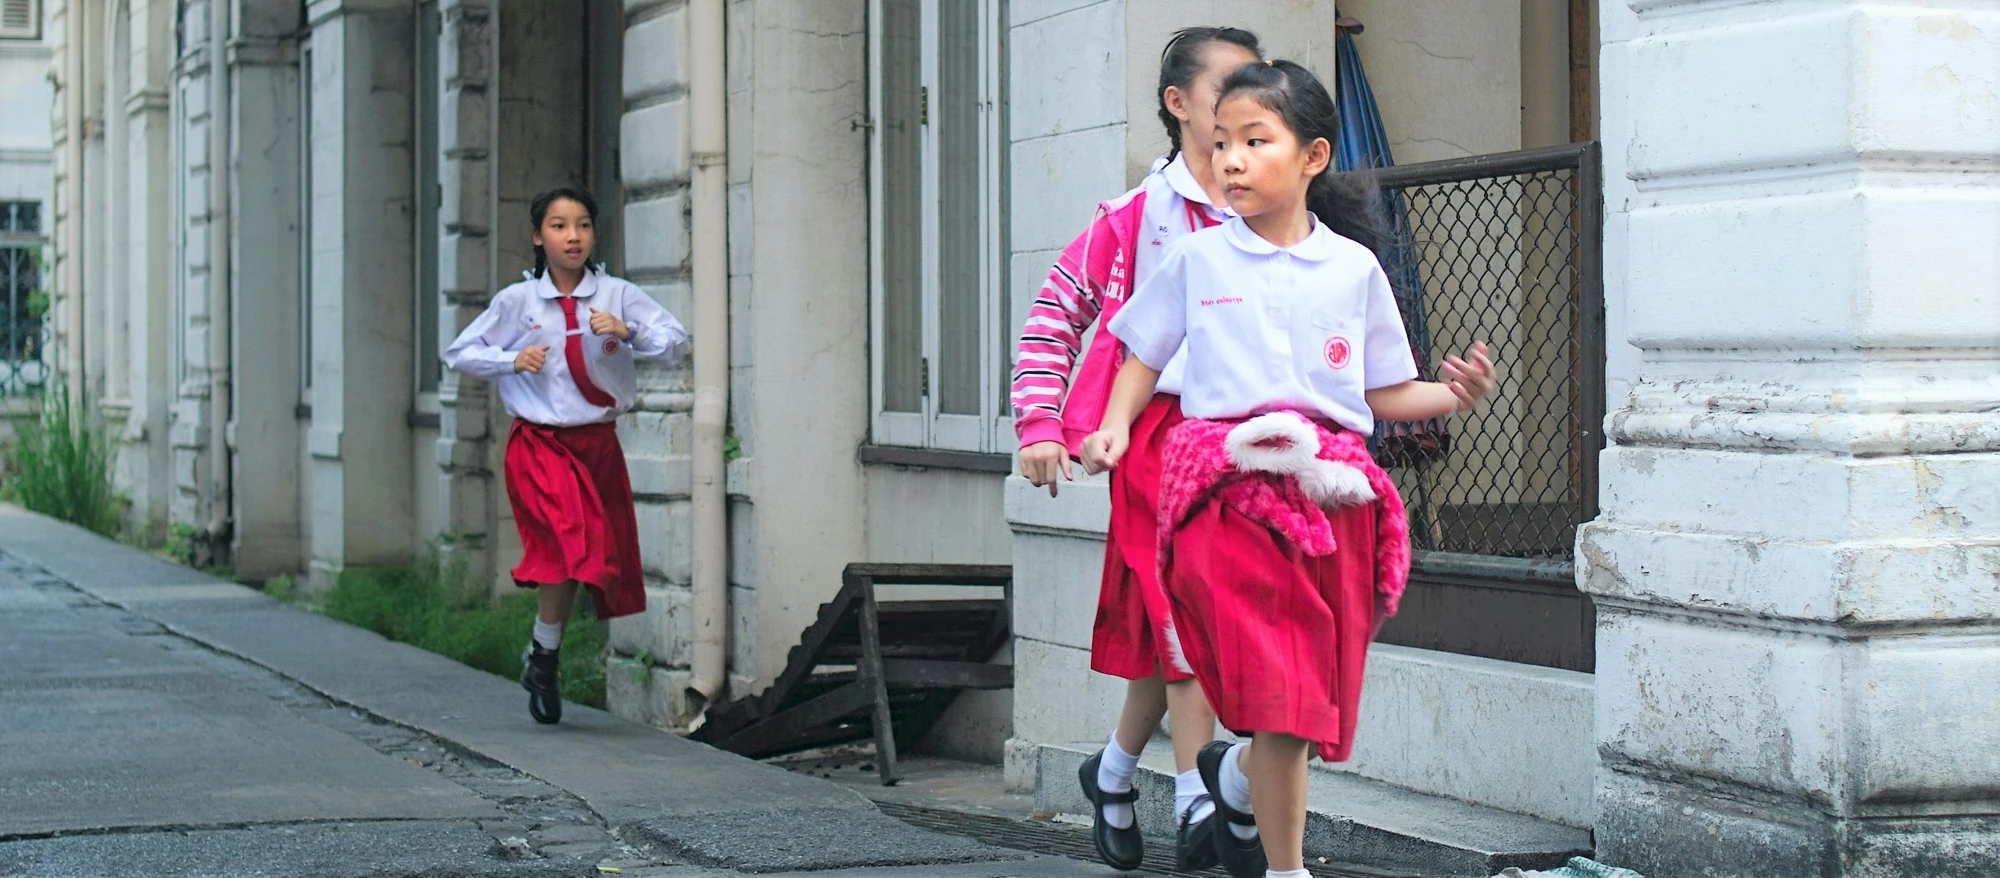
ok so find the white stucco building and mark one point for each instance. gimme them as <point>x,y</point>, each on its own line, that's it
<point>25,93</point>
<point>1753,637</point>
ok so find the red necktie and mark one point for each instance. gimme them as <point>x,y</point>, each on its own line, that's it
<point>573,354</point>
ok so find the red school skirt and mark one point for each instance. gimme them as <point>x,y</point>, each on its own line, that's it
<point>1129,639</point>
<point>573,504</point>
<point>1278,638</point>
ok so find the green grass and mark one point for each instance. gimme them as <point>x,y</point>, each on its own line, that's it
<point>60,465</point>
<point>437,607</point>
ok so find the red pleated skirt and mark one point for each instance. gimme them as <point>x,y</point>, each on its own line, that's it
<point>1129,638</point>
<point>572,501</point>
<point>1278,638</point>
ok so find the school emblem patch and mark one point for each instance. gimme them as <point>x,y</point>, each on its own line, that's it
<point>611,345</point>
<point>1338,352</point>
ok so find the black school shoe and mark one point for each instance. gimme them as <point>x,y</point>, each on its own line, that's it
<point>1194,847</point>
<point>539,677</point>
<point>1121,849</point>
<point>1241,858</point>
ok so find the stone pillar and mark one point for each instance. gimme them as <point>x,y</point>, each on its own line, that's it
<point>466,280</point>
<point>147,479</point>
<point>1798,670</point>
<point>264,222</point>
<point>194,404</point>
<point>363,266</point>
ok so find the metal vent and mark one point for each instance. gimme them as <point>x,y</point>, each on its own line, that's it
<point>20,19</point>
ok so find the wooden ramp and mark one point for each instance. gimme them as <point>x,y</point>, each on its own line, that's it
<point>872,668</point>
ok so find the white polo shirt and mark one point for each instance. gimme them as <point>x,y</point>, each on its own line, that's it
<point>1176,207</point>
<point>1308,328</point>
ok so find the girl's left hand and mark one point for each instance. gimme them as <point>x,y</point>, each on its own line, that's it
<point>1470,378</point>
<point>605,324</point>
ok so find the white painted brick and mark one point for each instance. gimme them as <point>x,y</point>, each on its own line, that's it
<point>1056,587</point>
<point>1933,270</point>
<point>663,630</point>
<point>1073,704</point>
<point>1067,73</point>
<point>1761,707</point>
<point>656,54</point>
<point>1058,181</point>
<point>654,144</point>
<point>656,234</point>
<point>1756,94</point>
<point>1082,507</point>
<point>1421,711</point>
<point>742,223</point>
<point>1926,713</point>
<point>665,539</point>
<point>1929,80</point>
<point>677,297</point>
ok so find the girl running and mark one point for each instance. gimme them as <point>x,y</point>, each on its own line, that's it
<point>1283,545</point>
<point>1055,407</point>
<point>566,472</point>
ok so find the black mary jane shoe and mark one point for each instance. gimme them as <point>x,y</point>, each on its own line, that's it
<point>1194,845</point>
<point>1241,858</point>
<point>539,677</point>
<point>1121,849</point>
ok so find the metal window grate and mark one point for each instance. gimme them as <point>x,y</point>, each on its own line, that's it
<point>20,20</point>
<point>1507,249</point>
<point>22,329</point>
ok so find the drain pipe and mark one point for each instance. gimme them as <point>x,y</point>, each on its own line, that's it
<point>219,392</point>
<point>709,254</point>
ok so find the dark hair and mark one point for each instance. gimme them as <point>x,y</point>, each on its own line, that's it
<point>1344,202</point>
<point>539,208</point>
<point>1181,61</point>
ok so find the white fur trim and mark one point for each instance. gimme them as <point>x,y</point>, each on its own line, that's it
<point>1275,443</point>
<point>1174,655</point>
<point>1334,485</point>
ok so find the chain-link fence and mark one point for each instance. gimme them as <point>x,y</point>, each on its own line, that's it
<point>1504,249</point>
<point>23,332</point>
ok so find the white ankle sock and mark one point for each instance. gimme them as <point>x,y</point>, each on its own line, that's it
<point>1114,775</point>
<point>1289,873</point>
<point>1188,788</point>
<point>1236,790</point>
<point>548,636</point>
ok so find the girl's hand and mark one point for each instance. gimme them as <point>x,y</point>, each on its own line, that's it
<point>531,360</point>
<point>1103,449</point>
<point>1042,462</point>
<point>1470,379</point>
<point>605,324</point>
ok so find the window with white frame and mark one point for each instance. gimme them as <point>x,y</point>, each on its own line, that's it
<point>20,20</point>
<point>935,170</point>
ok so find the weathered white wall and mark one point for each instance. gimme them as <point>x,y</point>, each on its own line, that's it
<point>27,99</point>
<point>362,297</point>
<point>1797,673</point>
<point>1446,74</point>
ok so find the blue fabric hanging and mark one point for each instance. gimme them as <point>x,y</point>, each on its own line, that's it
<point>1364,145</point>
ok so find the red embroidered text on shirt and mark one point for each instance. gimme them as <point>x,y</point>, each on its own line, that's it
<point>1227,300</point>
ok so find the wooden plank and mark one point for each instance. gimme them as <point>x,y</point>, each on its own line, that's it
<point>775,734</point>
<point>872,679</point>
<point>934,574</point>
<point>812,644</point>
<point>947,675</point>
<point>945,605</point>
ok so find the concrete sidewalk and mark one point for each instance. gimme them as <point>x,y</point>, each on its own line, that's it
<point>158,720</point>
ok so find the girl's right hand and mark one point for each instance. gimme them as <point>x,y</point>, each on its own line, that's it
<point>1042,462</point>
<point>1103,449</point>
<point>531,359</point>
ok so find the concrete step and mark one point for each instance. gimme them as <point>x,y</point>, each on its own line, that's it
<point>1349,819</point>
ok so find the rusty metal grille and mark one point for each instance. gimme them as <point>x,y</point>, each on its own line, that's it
<point>1506,249</point>
<point>23,372</point>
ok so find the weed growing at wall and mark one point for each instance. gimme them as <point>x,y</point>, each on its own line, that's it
<point>60,465</point>
<point>437,607</point>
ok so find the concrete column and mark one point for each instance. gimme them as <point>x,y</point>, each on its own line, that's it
<point>144,458</point>
<point>264,222</point>
<point>654,238</point>
<point>1798,669</point>
<point>466,281</point>
<point>190,432</point>
<point>362,269</point>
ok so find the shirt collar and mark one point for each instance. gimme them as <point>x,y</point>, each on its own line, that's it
<point>1183,182</point>
<point>546,286</point>
<point>1317,246</point>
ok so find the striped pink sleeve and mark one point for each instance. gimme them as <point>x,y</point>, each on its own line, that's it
<point>1052,339</point>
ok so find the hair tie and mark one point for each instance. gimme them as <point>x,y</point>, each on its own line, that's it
<point>1269,63</point>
